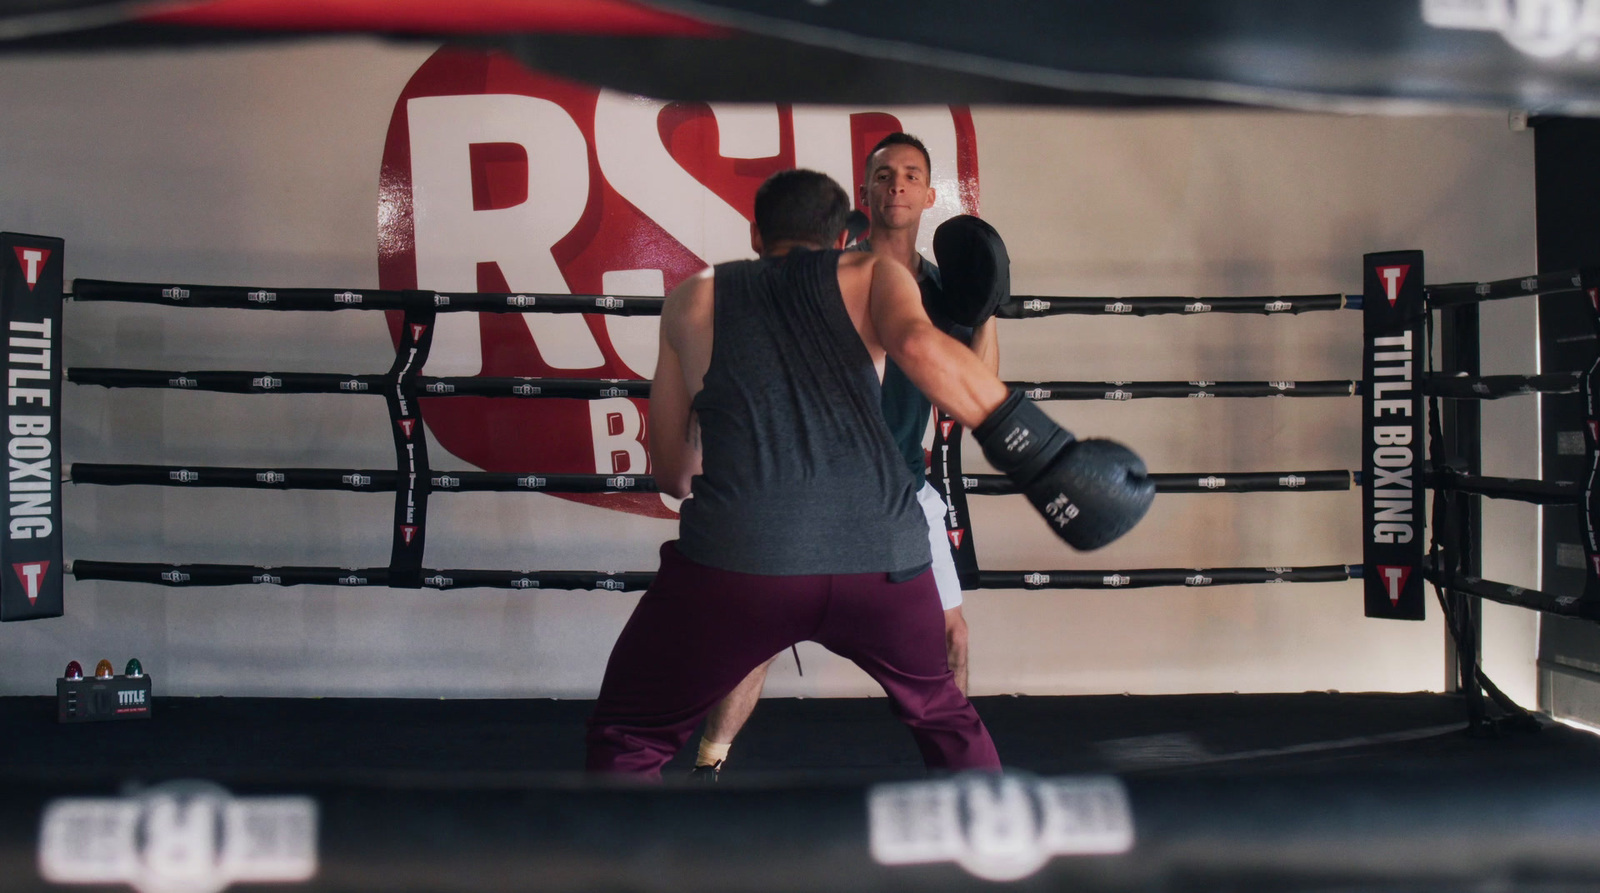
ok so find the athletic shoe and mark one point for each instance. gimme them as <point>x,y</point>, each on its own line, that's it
<point>706,774</point>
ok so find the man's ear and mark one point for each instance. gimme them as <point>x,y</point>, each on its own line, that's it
<point>755,240</point>
<point>932,197</point>
<point>843,238</point>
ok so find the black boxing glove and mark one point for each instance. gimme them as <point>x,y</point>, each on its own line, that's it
<point>974,272</point>
<point>1091,491</point>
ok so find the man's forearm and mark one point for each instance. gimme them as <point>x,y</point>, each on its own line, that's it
<point>986,344</point>
<point>952,376</point>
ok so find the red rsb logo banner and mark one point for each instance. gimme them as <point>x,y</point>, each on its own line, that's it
<point>496,178</point>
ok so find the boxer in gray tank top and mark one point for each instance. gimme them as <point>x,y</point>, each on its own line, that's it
<point>896,191</point>
<point>803,522</point>
<point>796,480</point>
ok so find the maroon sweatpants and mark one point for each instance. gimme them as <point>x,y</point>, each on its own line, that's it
<point>698,631</point>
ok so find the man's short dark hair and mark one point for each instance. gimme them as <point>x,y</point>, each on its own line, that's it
<point>801,206</point>
<point>901,139</point>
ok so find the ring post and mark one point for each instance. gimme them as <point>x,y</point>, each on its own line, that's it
<point>1456,449</point>
<point>1392,434</point>
<point>412,484</point>
<point>1589,387</point>
<point>30,303</point>
<point>947,479</point>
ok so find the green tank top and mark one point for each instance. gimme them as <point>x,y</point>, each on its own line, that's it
<point>905,409</point>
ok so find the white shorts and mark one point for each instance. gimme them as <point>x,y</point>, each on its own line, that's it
<point>944,562</point>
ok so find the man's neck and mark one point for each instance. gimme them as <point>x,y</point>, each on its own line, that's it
<point>900,245</point>
<point>787,245</point>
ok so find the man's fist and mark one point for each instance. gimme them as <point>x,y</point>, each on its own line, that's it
<point>1091,491</point>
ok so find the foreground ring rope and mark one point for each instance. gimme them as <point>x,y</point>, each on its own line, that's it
<point>1096,834</point>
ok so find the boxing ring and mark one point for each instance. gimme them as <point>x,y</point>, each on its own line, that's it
<point>1092,832</point>
<point>415,481</point>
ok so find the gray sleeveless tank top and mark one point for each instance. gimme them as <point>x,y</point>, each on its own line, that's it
<point>801,473</point>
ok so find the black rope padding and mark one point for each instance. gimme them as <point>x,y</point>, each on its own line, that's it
<point>245,575</point>
<point>163,574</point>
<point>241,297</point>
<point>1493,387</point>
<point>529,302</point>
<point>1505,593</point>
<point>605,388</point>
<point>1251,482</point>
<point>1534,491</point>
<point>229,382</point>
<point>227,574</point>
<point>1150,577</point>
<point>576,388</point>
<point>626,581</point>
<point>1139,390</point>
<point>499,481</point>
<point>373,480</point>
<point>1032,306</point>
<point>359,480</point>
<point>1455,293</point>
<point>1520,489</point>
<point>244,297</point>
<point>233,382</point>
<point>1527,824</point>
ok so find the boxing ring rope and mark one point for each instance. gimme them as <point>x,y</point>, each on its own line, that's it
<point>1418,830</point>
<point>1033,306</point>
<point>421,302</point>
<point>372,480</point>
<point>1405,310</point>
<point>379,480</point>
<point>236,297</point>
<point>237,382</point>
<point>332,383</point>
<point>1453,564</point>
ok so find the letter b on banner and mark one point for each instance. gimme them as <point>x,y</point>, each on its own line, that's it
<point>1391,435</point>
<point>30,317</point>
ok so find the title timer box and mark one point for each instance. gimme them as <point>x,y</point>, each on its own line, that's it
<point>103,696</point>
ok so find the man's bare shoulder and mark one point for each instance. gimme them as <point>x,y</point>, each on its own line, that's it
<point>855,269</point>
<point>857,260</point>
<point>688,288</point>
<point>697,289</point>
<point>688,306</point>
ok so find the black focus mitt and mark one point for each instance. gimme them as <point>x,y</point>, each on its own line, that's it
<point>974,271</point>
<point>855,228</point>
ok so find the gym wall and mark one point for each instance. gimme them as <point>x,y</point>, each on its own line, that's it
<point>261,165</point>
